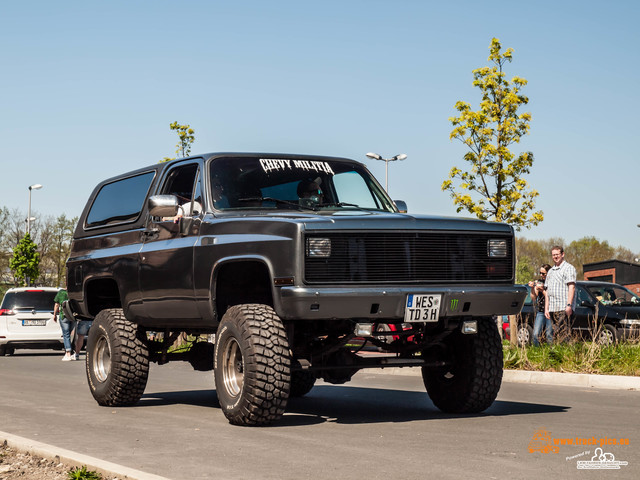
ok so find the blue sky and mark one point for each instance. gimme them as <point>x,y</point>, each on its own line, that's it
<point>89,90</point>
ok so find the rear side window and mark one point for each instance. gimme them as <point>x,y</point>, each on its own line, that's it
<point>120,201</point>
<point>31,300</point>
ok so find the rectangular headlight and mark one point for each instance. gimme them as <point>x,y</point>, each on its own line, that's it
<point>497,248</point>
<point>318,247</point>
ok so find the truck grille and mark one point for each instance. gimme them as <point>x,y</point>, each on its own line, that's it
<point>413,257</point>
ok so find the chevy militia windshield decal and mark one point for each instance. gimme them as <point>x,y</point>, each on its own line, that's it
<point>271,164</point>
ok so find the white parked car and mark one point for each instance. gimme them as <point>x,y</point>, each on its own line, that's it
<point>26,320</point>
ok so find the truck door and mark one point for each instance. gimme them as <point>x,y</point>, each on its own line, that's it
<point>166,257</point>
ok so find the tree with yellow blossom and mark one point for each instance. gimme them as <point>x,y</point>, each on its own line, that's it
<point>494,187</point>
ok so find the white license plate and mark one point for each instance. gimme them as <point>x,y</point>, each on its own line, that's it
<point>422,308</point>
<point>34,323</point>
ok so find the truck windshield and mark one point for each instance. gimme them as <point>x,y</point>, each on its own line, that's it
<point>303,184</point>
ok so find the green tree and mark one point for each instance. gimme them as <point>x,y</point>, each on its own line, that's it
<point>62,237</point>
<point>531,254</point>
<point>26,260</point>
<point>13,226</point>
<point>494,187</point>
<point>5,253</point>
<point>524,271</point>
<point>588,250</point>
<point>626,255</point>
<point>186,137</point>
<point>55,245</point>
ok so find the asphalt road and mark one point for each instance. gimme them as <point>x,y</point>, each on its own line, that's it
<point>379,426</point>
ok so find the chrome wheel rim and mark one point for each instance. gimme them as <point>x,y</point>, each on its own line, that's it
<point>102,360</point>
<point>523,336</point>
<point>232,368</point>
<point>605,337</point>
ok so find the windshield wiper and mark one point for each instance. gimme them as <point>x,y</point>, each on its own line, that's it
<point>278,201</point>
<point>345,204</point>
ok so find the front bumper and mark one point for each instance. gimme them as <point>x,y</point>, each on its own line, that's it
<point>628,332</point>
<point>377,304</point>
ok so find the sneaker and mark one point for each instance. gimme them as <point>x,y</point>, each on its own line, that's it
<point>67,357</point>
<point>76,356</point>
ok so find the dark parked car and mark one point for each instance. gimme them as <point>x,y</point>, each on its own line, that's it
<point>607,312</point>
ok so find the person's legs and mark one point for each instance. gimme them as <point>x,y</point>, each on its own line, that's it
<point>79,342</point>
<point>66,325</point>
<point>560,327</point>
<point>537,327</point>
<point>549,328</point>
<point>81,331</point>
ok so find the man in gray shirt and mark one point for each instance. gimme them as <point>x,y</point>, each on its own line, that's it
<point>559,290</point>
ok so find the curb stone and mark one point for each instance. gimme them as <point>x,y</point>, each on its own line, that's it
<point>74,459</point>
<point>619,382</point>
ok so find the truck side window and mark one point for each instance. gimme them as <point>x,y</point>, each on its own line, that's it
<point>120,201</point>
<point>181,182</point>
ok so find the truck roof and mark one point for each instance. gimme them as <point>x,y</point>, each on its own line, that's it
<point>209,156</point>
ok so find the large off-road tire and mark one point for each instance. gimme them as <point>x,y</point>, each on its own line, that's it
<point>471,383</point>
<point>302,381</point>
<point>252,365</point>
<point>117,360</point>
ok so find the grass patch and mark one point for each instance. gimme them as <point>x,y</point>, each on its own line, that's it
<point>83,474</point>
<point>575,357</point>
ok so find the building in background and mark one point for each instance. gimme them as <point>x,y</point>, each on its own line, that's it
<point>615,271</point>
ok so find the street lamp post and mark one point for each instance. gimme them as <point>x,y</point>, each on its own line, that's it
<point>386,161</point>
<point>35,186</point>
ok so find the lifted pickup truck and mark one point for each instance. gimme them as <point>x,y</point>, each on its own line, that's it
<point>297,266</point>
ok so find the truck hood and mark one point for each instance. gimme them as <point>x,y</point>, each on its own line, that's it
<point>373,220</point>
<point>400,221</point>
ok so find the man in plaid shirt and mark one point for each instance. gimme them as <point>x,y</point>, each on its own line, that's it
<point>560,287</point>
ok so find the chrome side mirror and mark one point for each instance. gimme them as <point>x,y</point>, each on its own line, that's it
<point>401,205</point>
<point>163,205</point>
